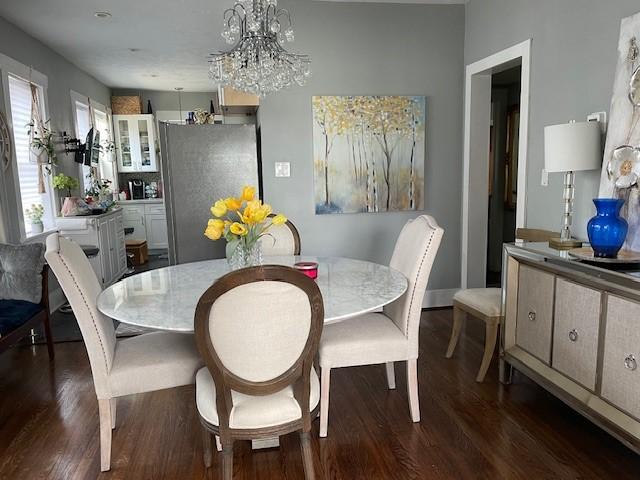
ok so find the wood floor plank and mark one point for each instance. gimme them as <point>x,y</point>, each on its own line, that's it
<point>49,425</point>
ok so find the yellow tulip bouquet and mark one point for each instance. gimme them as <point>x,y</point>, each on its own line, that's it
<point>242,222</point>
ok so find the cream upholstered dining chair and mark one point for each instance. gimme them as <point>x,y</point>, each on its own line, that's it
<point>486,304</point>
<point>258,331</point>
<point>153,361</point>
<point>390,336</point>
<point>281,240</point>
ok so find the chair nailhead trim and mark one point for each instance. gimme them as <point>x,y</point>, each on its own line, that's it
<point>413,292</point>
<point>93,320</point>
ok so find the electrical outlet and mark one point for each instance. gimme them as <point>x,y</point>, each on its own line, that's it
<point>544,179</point>
<point>283,169</point>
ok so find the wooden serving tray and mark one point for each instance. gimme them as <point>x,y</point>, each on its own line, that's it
<point>625,257</point>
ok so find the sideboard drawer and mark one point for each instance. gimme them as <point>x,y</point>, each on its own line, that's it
<point>621,365</point>
<point>575,332</point>
<point>535,312</point>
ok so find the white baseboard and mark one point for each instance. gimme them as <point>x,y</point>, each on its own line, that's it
<point>439,298</point>
<point>56,299</point>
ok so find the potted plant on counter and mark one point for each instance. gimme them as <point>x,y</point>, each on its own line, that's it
<point>35,214</point>
<point>68,184</point>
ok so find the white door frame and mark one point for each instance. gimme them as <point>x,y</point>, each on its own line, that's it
<point>476,145</point>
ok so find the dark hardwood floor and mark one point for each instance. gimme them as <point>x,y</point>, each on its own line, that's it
<point>49,425</point>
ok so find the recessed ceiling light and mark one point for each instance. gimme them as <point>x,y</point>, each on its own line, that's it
<point>102,15</point>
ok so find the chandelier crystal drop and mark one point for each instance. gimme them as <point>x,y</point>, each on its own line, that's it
<point>258,63</point>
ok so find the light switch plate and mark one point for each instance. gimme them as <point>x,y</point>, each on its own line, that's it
<point>599,117</point>
<point>283,169</point>
<point>544,178</point>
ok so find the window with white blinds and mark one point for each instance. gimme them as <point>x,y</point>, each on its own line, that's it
<point>83,125</point>
<point>20,98</point>
<point>88,113</point>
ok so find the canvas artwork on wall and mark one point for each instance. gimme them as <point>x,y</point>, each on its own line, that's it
<point>368,153</point>
<point>621,166</point>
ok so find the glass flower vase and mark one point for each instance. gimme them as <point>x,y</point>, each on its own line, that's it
<point>607,230</point>
<point>240,255</point>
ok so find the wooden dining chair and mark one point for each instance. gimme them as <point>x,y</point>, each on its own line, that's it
<point>145,363</point>
<point>390,336</point>
<point>257,330</point>
<point>486,304</point>
<point>281,240</point>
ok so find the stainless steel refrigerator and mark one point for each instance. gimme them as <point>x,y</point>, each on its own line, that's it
<point>201,164</point>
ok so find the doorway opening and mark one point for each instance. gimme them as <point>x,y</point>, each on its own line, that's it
<point>494,183</point>
<point>503,168</point>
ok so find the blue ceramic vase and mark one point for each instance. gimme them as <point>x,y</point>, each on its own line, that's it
<point>607,230</point>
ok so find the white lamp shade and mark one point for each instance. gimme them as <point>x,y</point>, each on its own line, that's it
<point>571,147</point>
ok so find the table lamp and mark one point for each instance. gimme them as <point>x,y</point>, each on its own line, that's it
<point>568,148</point>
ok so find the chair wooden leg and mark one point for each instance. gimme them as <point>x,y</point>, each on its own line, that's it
<point>307,457</point>
<point>325,381</point>
<point>490,337</point>
<point>206,447</point>
<point>113,403</point>
<point>218,443</point>
<point>412,389</point>
<point>104,409</point>
<point>391,376</point>
<point>47,334</point>
<point>458,320</point>
<point>227,460</point>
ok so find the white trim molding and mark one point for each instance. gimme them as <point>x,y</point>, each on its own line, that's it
<point>476,142</point>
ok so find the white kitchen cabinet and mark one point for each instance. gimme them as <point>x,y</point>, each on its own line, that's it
<point>104,231</point>
<point>133,216</point>
<point>149,221</point>
<point>135,143</point>
<point>156,231</point>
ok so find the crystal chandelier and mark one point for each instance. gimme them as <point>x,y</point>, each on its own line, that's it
<point>258,63</point>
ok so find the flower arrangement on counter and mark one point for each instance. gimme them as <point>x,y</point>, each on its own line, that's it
<point>242,221</point>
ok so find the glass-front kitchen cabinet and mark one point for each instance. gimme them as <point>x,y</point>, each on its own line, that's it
<point>135,143</point>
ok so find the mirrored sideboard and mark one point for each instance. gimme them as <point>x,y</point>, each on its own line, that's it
<point>574,328</point>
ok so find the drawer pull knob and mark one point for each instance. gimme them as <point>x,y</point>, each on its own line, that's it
<point>532,316</point>
<point>573,335</point>
<point>630,362</point>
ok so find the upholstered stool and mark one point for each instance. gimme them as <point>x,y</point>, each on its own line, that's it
<point>482,303</point>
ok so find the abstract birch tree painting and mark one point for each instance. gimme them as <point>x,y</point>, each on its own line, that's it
<point>368,153</point>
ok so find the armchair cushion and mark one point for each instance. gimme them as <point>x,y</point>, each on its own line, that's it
<point>15,313</point>
<point>364,340</point>
<point>253,411</point>
<point>21,272</point>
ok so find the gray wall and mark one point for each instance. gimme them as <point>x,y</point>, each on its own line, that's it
<point>573,60</point>
<point>62,76</point>
<point>372,49</point>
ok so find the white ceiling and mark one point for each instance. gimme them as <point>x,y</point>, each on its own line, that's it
<point>173,37</point>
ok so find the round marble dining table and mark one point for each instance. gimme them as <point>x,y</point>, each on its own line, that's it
<point>166,298</point>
